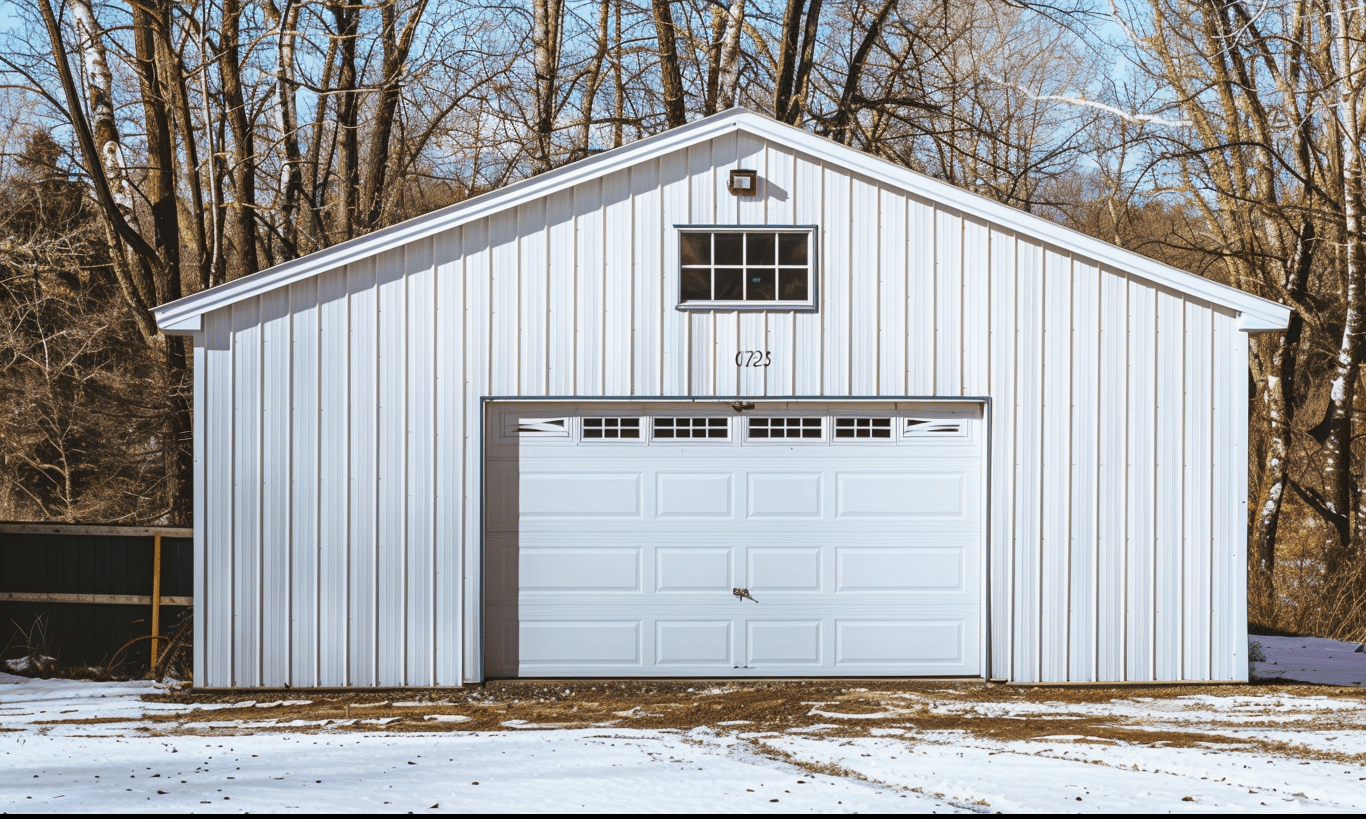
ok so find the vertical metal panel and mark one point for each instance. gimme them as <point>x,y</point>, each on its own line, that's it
<point>948,303</point>
<point>505,314</point>
<point>808,341</point>
<point>1086,380</point>
<point>274,485</point>
<point>478,382</point>
<point>334,472</point>
<point>836,299</point>
<point>1028,458</point>
<point>647,264</point>
<point>533,296</point>
<point>419,443</point>
<point>619,289</point>
<point>975,308</point>
<point>1140,457</point>
<point>451,454</point>
<point>675,350</point>
<point>1229,469</point>
<point>391,548</point>
<point>779,172</point>
<point>362,568</point>
<point>302,512</point>
<point>1198,503</point>
<point>560,339</point>
<point>588,240</point>
<point>215,627</point>
<point>921,261</point>
<point>1169,495</point>
<point>864,290</point>
<point>1056,486</point>
<point>1112,475</point>
<point>201,508</point>
<point>1001,501</point>
<point>246,443</point>
<point>892,278</point>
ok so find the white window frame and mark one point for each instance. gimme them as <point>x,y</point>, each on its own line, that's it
<point>809,304</point>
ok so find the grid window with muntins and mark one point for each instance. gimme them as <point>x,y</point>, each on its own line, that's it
<point>614,428</point>
<point>863,428</point>
<point>691,428</point>
<point>769,428</point>
<point>745,266</point>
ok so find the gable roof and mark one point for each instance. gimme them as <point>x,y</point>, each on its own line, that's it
<point>1256,313</point>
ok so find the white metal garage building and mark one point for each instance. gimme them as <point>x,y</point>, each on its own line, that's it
<point>652,415</point>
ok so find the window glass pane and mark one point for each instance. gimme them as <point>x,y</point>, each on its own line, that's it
<point>792,248</point>
<point>695,248</point>
<point>792,285</point>
<point>729,284</point>
<point>696,284</point>
<point>730,248</point>
<point>759,284</point>
<point>759,248</point>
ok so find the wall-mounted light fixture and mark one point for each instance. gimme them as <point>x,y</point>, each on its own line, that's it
<point>743,183</point>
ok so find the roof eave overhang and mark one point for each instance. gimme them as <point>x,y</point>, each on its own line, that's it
<point>1255,314</point>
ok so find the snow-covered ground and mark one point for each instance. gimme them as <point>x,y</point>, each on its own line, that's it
<point>74,746</point>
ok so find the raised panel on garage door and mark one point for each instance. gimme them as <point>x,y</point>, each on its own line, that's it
<point>672,541</point>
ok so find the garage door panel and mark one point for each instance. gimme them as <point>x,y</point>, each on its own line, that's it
<point>580,495</point>
<point>902,495</point>
<point>700,643</point>
<point>694,495</point>
<point>789,495</point>
<point>579,570</point>
<point>888,642</point>
<point>781,569</point>
<point>864,570</point>
<point>681,569</point>
<point>783,643</point>
<point>581,643</point>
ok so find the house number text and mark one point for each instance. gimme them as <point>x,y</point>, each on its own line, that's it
<point>753,358</point>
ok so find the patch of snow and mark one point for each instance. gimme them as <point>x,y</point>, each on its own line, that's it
<point>1312,659</point>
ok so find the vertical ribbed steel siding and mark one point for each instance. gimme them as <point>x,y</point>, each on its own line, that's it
<point>340,438</point>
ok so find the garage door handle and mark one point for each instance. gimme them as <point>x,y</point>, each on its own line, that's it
<point>742,594</point>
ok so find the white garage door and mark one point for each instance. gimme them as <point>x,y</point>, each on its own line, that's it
<point>780,541</point>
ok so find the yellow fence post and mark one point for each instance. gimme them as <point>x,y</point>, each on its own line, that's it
<point>156,597</point>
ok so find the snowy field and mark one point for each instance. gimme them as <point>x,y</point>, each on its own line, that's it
<point>74,746</point>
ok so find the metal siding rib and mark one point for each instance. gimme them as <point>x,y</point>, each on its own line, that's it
<point>246,529</point>
<point>1028,506</point>
<point>1112,475</point>
<point>864,288</point>
<point>477,382</point>
<point>1199,457</point>
<point>201,509</point>
<point>1003,447</point>
<point>1140,550</point>
<point>948,303</point>
<point>450,545</point>
<point>560,334</point>
<point>779,178</point>
<point>533,285</point>
<point>893,273</point>
<point>647,279</point>
<point>920,309</point>
<point>808,341</point>
<point>1082,610</point>
<point>1169,493</point>
<point>1236,609</point>
<point>214,607</point>
<point>836,298</point>
<point>588,232</point>
<point>364,475</point>
<point>276,420</point>
<point>420,445</point>
<point>334,471</point>
<point>976,312</point>
<point>617,352</point>
<point>674,352</point>
<point>1229,390</point>
<point>505,313</point>
<point>1056,487</point>
<point>303,509</point>
<point>392,277</point>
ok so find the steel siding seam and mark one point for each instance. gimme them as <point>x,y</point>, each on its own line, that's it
<point>1238,569</point>
<point>1028,463</point>
<point>1142,483</point>
<point>1110,475</point>
<point>1170,509</point>
<point>1057,466</point>
<point>1003,443</point>
<point>1085,410</point>
<point>199,442</point>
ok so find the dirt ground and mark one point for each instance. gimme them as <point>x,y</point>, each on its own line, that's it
<point>1169,715</point>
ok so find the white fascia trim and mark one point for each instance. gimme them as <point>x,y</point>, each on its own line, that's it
<point>420,227</point>
<point>1257,314</point>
